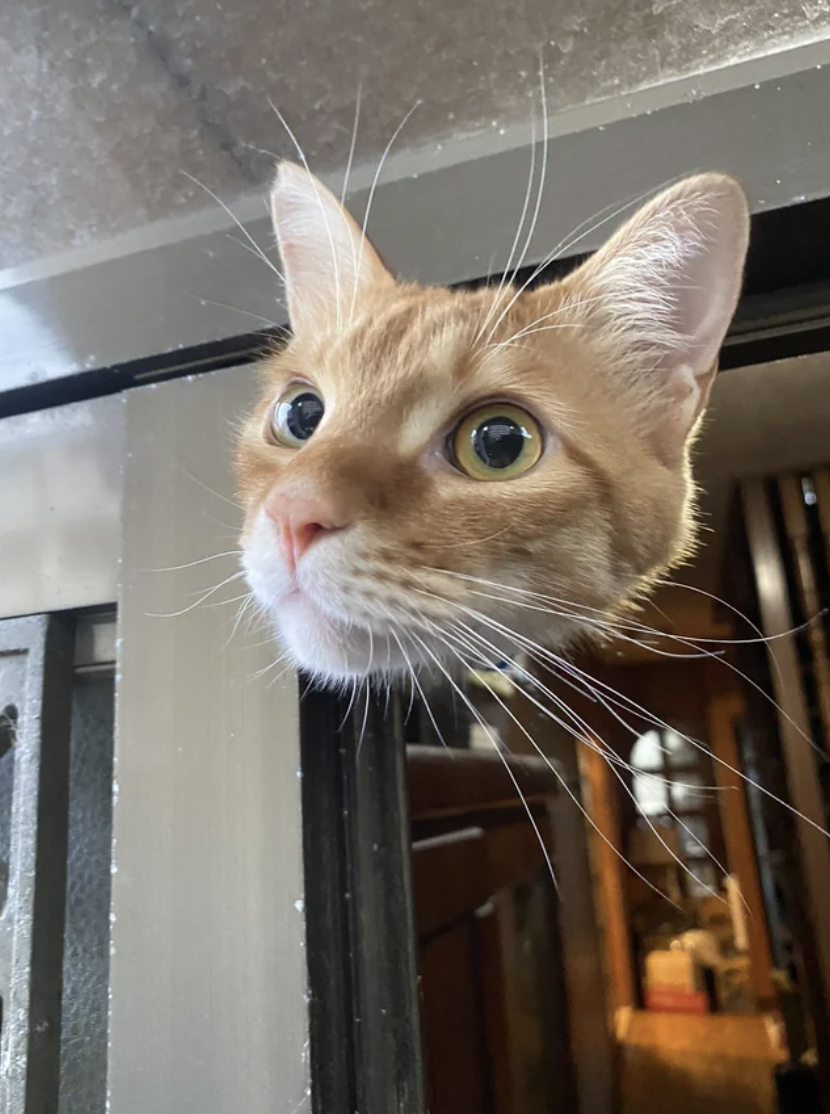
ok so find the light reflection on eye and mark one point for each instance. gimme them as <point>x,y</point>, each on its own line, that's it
<point>496,442</point>
<point>297,414</point>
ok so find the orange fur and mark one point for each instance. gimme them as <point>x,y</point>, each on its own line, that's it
<point>618,387</point>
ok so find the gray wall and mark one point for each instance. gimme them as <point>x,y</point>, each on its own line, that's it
<point>106,102</point>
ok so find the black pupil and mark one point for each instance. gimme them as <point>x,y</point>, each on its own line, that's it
<point>304,414</point>
<point>499,442</point>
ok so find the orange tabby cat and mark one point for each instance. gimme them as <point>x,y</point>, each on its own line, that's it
<point>424,461</point>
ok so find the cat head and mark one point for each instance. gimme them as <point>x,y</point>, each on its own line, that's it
<point>437,476</point>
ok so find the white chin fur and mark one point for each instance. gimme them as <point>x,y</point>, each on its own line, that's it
<point>335,650</point>
<point>329,647</point>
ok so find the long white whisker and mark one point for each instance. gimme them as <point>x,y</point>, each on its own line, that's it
<point>571,793</point>
<point>503,281</point>
<point>697,653</point>
<point>371,199</point>
<point>235,309</point>
<point>367,698</point>
<point>579,233</point>
<point>421,693</point>
<point>247,601</point>
<point>321,206</point>
<point>740,615</point>
<point>544,172</point>
<point>587,735</point>
<point>624,623</point>
<point>344,192</point>
<point>472,708</point>
<point>254,245</point>
<point>192,564</point>
<point>350,705</point>
<point>200,601</point>
<point>583,730</point>
<point>573,670</point>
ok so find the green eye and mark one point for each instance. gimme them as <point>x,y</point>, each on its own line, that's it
<point>296,415</point>
<point>496,442</point>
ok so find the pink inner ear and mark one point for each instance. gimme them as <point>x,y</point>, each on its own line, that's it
<point>328,263</point>
<point>665,287</point>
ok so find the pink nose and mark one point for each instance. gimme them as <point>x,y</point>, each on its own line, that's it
<point>301,520</point>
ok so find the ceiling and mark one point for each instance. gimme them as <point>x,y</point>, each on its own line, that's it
<point>108,105</point>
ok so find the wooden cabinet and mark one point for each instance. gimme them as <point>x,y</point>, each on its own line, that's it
<point>497,1017</point>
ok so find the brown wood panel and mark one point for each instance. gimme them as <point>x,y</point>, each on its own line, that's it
<point>456,1065</point>
<point>604,810</point>
<point>514,851</point>
<point>450,879</point>
<point>497,1012</point>
<point>821,484</point>
<point>588,1009</point>
<point>794,730</point>
<point>456,782</point>
<point>798,530</point>
<point>724,711</point>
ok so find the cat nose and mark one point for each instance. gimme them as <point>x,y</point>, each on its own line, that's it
<point>302,520</point>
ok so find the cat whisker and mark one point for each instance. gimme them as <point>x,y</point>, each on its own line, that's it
<point>491,350</point>
<point>472,708</point>
<point>739,614</point>
<point>367,697</point>
<point>544,171</point>
<point>468,541</point>
<point>257,254</point>
<point>345,188</point>
<point>224,603</point>
<point>584,731</point>
<point>506,285</point>
<point>592,683</point>
<point>632,624</point>
<point>192,564</point>
<point>584,228</point>
<point>200,601</point>
<point>371,198</point>
<point>417,685</point>
<point>616,631</point>
<point>585,734</point>
<point>248,604</point>
<point>603,752</point>
<point>211,491</point>
<point>321,206</point>
<point>653,720</point>
<point>503,282</point>
<point>267,669</point>
<point>608,628</point>
<point>350,162</point>
<point>566,307</point>
<point>352,698</point>
<point>235,309</point>
<point>227,209</point>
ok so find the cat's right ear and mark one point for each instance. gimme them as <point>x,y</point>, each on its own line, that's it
<point>328,264</point>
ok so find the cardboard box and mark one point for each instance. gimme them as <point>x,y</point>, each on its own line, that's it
<point>674,983</point>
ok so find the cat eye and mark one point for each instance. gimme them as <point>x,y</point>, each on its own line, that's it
<point>496,442</point>
<point>296,415</point>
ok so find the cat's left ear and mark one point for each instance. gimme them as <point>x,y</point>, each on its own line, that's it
<point>329,266</point>
<point>663,290</point>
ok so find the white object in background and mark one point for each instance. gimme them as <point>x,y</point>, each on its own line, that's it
<point>482,738</point>
<point>701,946</point>
<point>496,680</point>
<point>737,911</point>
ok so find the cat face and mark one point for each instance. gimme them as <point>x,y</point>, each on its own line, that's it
<point>434,476</point>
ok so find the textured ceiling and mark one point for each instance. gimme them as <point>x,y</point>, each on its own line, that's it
<point>105,103</point>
